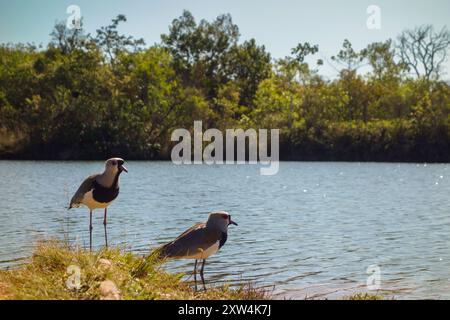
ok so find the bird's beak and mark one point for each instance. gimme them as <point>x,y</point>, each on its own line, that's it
<point>122,167</point>
<point>232,222</point>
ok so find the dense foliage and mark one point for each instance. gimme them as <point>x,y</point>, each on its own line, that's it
<point>91,96</point>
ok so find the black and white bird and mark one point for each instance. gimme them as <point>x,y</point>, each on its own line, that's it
<point>200,241</point>
<point>98,191</point>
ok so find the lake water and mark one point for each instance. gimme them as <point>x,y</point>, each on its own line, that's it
<point>312,230</point>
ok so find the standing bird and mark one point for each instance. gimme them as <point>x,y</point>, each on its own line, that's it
<point>99,191</point>
<point>200,241</point>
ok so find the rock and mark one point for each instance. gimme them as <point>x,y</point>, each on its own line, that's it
<point>4,291</point>
<point>109,291</point>
<point>104,264</point>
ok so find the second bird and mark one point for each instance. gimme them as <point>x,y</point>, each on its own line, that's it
<point>99,191</point>
<point>200,241</point>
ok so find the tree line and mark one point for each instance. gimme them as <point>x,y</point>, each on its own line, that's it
<point>89,96</point>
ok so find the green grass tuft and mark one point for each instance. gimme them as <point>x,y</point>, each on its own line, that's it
<point>46,274</point>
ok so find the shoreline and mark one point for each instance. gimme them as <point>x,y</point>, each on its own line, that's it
<point>281,161</point>
<point>112,274</point>
<point>57,270</point>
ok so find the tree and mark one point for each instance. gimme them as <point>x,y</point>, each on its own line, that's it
<point>424,51</point>
<point>384,81</point>
<point>351,82</point>
<point>85,98</point>
<point>302,50</point>
<point>250,65</point>
<point>202,52</point>
<point>347,57</point>
<point>286,71</point>
<point>381,58</point>
<point>274,106</point>
<point>17,79</point>
<point>112,43</point>
<point>67,40</point>
<point>151,101</point>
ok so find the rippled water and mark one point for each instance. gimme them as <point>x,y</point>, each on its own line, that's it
<point>311,230</point>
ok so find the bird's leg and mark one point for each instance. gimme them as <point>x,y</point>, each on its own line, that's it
<point>104,225</point>
<point>195,274</point>
<point>201,274</point>
<point>90,230</point>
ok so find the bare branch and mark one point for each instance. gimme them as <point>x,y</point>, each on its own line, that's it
<point>424,50</point>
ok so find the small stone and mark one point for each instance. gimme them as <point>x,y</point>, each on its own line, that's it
<point>105,264</point>
<point>109,291</point>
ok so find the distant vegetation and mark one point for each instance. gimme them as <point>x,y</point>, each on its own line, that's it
<point>91,96</point>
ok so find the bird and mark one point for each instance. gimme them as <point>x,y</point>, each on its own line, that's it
<point>98,191</point>
<point>200,241</point>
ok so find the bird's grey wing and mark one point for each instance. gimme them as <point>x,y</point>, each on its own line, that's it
<point>193,240</point>
<point>86,186</point>
<point>196,226</point>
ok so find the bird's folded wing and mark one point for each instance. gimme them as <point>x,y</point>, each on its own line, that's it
<point>197,238</point>
<point>85,187</point>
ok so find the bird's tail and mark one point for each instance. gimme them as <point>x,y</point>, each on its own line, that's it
<point>73,205</point>
<point>163,252</point>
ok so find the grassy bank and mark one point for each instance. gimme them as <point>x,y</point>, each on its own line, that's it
<point>106,274</point>
<point>111,273</point>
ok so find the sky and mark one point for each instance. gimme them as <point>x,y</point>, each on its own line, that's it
<point>278,24</point>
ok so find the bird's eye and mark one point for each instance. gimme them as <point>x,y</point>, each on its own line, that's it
<point>224,216</point>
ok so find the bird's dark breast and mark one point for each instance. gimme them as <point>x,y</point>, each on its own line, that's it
<point>223,239</point>
<point>103,194</point>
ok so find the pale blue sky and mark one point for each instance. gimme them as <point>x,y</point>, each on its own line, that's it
<point>278,24</point>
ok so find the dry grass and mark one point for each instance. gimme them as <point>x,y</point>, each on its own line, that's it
<point>364,296</point>
<point>46,274</point>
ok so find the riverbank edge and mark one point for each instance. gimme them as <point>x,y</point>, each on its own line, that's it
<point>59,271</point>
